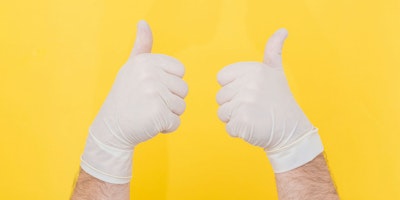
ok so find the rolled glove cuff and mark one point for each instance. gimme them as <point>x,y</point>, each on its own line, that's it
<point>106,163</point>
<point>297,153</point>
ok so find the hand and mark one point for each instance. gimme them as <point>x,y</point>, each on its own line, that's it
<point>146,98</point>
<point>256,104</point>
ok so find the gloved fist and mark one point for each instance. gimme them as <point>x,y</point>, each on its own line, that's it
<point>256,104</point>
<point>146,99</point>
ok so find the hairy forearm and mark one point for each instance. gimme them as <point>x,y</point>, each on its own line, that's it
<point>310,181</point>
<point>88,187</point>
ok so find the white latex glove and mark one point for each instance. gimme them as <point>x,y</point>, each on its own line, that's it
<point>256,104</point>
<point>146,98</point>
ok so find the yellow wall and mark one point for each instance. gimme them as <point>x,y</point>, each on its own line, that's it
<point>58,60</point>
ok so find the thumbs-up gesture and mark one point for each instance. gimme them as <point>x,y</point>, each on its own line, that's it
<point>256,104</point>
<point>146,99</point>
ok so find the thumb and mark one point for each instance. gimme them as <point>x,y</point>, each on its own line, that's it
<point>144,39</point>
<point>273,50</point>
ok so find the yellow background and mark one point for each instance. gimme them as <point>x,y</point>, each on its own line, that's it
<point>58,60</point>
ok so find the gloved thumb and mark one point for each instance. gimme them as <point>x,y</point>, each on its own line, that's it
<point>144,39</point>
<point>273,50</point>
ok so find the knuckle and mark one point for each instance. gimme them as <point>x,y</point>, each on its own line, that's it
<point>222,115</point>
<point>183,89</point>
<point>180,69</point>
<point>247,97</point>
<point>220,98</point>
<point>181,106</point>
<point>221,77</point>
<point>245,116</point>
<point>142,58</point>
<point>150,88</point>
<point>147,75</point>
<point>230,129</point>
<point>172,123</point>
<point>173,64</point>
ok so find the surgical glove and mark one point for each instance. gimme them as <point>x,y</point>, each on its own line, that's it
<point>257,105</point>
<point>146,98</point>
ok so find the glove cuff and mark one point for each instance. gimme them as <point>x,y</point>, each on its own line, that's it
<point>106,163</point>
<point>297,153</point>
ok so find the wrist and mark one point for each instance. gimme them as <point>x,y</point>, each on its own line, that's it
<point>297,153</point>
<point>309,181</point>
<point>105,162</point>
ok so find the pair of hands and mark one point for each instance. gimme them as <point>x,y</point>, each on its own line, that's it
<point>148,97</point>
